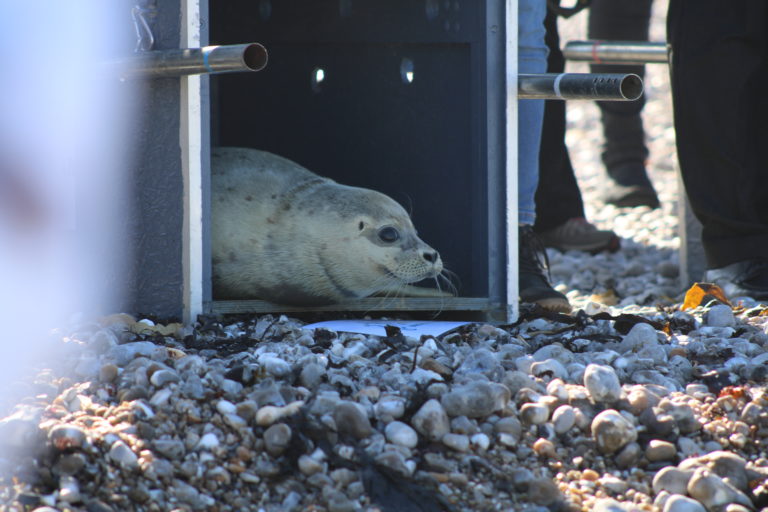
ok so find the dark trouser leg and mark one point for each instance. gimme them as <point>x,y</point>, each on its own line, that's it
<point>625,152</point>
<point>719,74</point>
<point>558,197</point>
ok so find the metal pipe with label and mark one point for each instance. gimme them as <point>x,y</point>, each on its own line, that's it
<point>616,52</point>
<point>579,86</point>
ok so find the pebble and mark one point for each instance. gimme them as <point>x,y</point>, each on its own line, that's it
<point>122,455</point>
<point>563,419</point>
<point>401,434</point>
<point>351,418</point>
<point>602,383</point>
<point>431,420</point>
<point>277,438</point>
<point>612,431</point>
<point>681,503</point>
<point>659,450</point>
<point>720,315</point>
<point>534,413</point>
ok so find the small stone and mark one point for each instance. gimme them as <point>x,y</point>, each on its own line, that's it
<point>712,491</point>
<point>534,413</point>
<point>351,418</point>
<point>639,336</point>
<point>720,315</point>
<point>612,431</point>
<point>311,375</point>
<point>121,454</point>
<point>208,442</point>
<point>431,420</point>
<point>563,419</point>
<point>543,491</point>
<point>161,378</point>
<point>480,442</point>
<point>613,484</point>
<point>69,490</point>
<point>509,425</point>
<point>629,456</point>
<point>389,407</point>
<point>680,503</point>
<point>475,400</point>
<point>108,373</point>
<point>170,448</point>
<point>544,448</point>
<point>309,466</point>
<point>672,479</point>
<point>551,367</point>
<point>277,438</point>
<point>658,450</point>
<point>457,442</point>
<point>602,383</point>
<point>401,434</point>
<point>67,437</point>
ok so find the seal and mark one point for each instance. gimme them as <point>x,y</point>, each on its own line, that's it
<point>286,235</point>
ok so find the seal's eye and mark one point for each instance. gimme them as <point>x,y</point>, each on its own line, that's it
<point>388,234</point>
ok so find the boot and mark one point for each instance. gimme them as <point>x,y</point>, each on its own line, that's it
<point>533,278</point>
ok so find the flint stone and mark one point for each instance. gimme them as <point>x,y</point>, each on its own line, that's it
<point>639,336</point>
<point>401,434</point>
<point>680,503</point>
<point>612,431</point>
<point>481,361</point>
<point>602,383</point>
<point>712,491</point>
<point>351,418</point>
<point>431,420</point>
<point>720,315</point>
<point>277,438</point>
<point>672,479</point>
<point>475,400</point>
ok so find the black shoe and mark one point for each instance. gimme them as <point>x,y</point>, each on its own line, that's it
<point>744,278</point>
<point>630,186</point>
<point>533,279</point>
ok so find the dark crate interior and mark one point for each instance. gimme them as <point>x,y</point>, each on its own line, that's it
<point>384,94</point>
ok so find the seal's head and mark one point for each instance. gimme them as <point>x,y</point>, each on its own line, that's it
<point>373,246</point>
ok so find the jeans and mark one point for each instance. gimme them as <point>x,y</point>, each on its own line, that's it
<point>532,58</point>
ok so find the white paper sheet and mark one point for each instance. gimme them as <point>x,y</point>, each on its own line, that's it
<point>411,328</point>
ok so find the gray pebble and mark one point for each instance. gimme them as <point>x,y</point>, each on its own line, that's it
<point>431,420</point>
<point>639,336</point>
<point>672,479</point>
<point>401,434</point>
<point>475,400</point>
<point>563,419</point>
<point>602,383</point>
<point>659,450</point>
<point>720,315</point>
<point>534,413</point>
<point>457,442</point>
<point>351,418</point>
<point>612,431</point>
<point>123,456</point>
<point>680,503</point>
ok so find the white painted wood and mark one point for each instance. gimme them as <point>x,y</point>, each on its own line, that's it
<point>192,169</point>
<point>511,163</point>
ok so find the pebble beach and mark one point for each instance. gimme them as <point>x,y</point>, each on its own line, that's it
<point>640,400</point>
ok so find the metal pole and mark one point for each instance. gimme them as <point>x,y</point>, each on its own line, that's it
<point>580,86</point>
<point>193,61</point>
<point>616,52</point>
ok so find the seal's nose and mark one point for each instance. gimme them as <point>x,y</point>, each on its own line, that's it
<point>430,256</point>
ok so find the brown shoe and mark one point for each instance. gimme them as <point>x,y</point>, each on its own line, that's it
<point>578,234</point>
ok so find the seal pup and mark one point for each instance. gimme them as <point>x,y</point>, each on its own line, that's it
<point>284,234</point>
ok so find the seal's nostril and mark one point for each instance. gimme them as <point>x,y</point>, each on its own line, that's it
<point>430,256</point>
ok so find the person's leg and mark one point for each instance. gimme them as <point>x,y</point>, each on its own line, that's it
<point>625,152</point>
<point>719,71</point>
<point>533,280</point>
<point>532,58</point>
<point>560,220</point>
